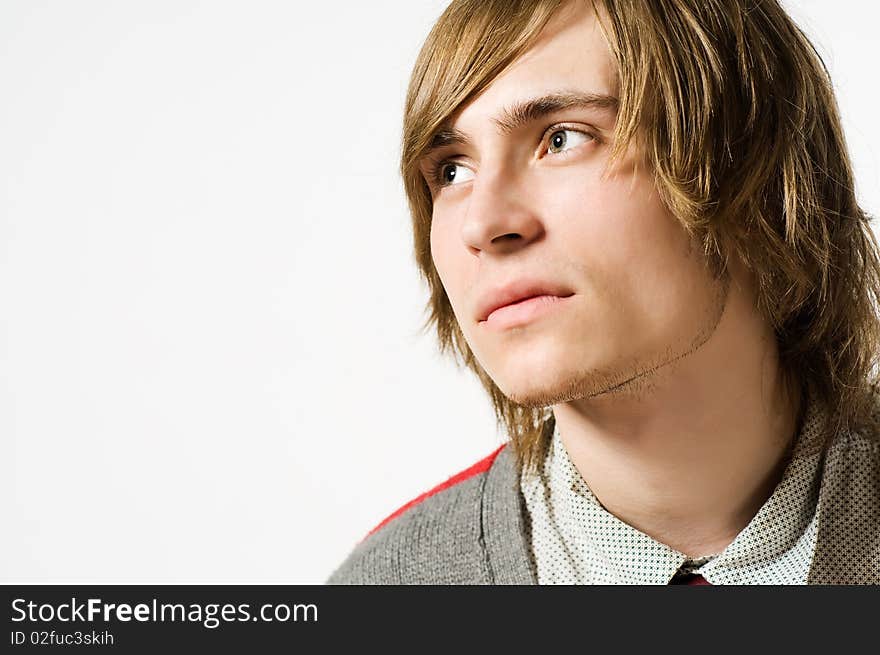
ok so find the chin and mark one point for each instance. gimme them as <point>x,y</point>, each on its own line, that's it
<point>543,380</point>
<point>538,382</point>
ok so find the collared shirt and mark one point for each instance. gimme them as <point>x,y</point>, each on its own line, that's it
<point>474,527</point>
<point>575,540</point>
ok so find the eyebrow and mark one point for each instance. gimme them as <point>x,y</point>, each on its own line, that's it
<point>528,111</point>
<point>525,112</point>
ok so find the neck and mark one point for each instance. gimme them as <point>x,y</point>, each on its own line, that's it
<point>691,455</point>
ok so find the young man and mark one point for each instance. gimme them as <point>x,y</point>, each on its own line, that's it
<point>638,226</point>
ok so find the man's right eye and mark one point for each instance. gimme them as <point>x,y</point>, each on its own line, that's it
<point>450,173</point>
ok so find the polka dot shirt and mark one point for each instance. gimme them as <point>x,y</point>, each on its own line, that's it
<point>575,540</point>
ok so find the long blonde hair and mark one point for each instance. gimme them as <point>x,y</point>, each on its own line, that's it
<point>735,113</point>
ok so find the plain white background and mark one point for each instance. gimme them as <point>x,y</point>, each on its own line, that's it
<point>211,364</point>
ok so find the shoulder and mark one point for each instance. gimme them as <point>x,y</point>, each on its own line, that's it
<point>859,447</point>
<point>434,538</point>
<point>848,538</point>
<point>855,459</point>
<point>852,468</point>
<point>853,453</point>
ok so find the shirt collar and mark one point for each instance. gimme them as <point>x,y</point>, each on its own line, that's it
<point>777,544</point>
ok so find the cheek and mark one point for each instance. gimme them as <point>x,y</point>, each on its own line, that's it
<point>447,255</point>
<point>440,251</point>
<point>615,228</point>
<point>636,260</point>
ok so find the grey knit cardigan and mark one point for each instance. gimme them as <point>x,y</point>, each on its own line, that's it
<point>473,529</point>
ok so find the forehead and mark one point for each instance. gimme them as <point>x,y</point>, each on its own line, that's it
<point>570,54</point>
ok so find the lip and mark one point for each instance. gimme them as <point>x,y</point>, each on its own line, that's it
<point>517,291</point>
<point>522,312</point>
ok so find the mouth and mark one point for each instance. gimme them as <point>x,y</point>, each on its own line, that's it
<point>516,292</point>
<point>524,310</point>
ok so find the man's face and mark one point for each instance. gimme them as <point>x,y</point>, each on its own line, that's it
<point>524,209</point>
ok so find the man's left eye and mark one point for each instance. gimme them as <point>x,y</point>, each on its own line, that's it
<point>565,139</point>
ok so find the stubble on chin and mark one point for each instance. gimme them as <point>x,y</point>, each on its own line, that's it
<point>636,378</point>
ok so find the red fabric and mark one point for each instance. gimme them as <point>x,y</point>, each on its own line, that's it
<point>471,471</point>
<point>692,580</point>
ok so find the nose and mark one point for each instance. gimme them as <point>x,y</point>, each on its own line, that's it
<point>501,217</point>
